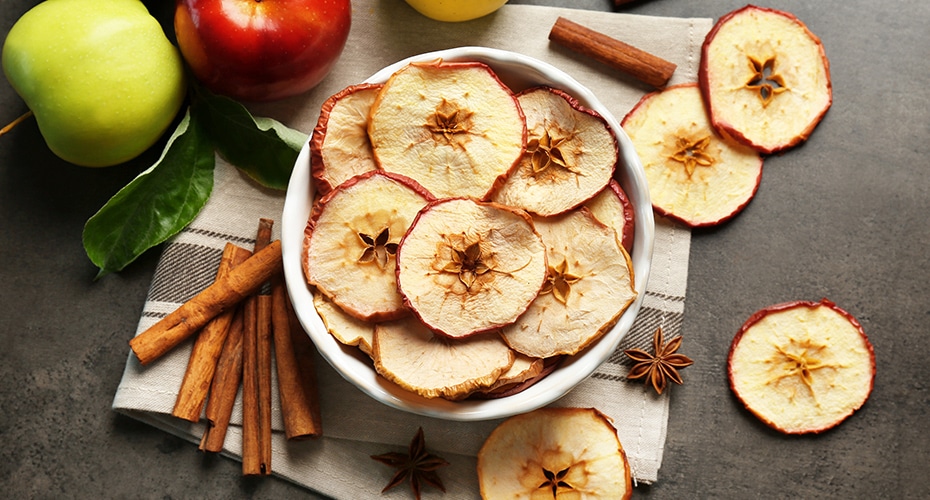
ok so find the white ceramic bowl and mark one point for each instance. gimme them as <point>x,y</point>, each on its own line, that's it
<point>518,72</point>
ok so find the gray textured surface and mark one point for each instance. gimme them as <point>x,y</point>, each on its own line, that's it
<point>844,216</point>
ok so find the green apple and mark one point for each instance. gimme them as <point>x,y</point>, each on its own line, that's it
<point>100,76</point>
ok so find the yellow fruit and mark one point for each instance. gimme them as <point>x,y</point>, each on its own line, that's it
<point>455,10</point>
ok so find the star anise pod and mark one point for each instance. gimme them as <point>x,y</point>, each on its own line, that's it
<point>658,368</point>
<point>418,466</point>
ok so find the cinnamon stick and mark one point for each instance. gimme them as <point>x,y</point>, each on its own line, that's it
<point>251,431</point>
<point>263,234</point>
<point>224,388</point>
<point>224,293</point>
<point>256,375</point>
<point>264,379</point>
<point>207,348</point>
<point>297,388</point>
<point>639,64</point>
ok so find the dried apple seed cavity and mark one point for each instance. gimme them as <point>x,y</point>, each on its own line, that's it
<point>802,367</point>
<point>466,267</point>
<point>351,243</point>
<point>570,155</point>
<point>452,126</point>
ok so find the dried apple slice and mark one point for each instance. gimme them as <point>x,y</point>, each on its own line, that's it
<point>454,127</point>
<point>765,78</point>
<point>570,155</point>
<point>339,145</point>
<point>466,266</point>
<point>694,175</point>
<point>351,240</point>
<point>347,329</point>
<point>554,453</point>
<point>412,356</point>
<point>589,285</point>
<point>502,391</point>
<point>801,367</point>
<point>612,207</point>
<point>523,368</point>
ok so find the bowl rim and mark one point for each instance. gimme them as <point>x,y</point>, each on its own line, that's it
<point>516,70</point>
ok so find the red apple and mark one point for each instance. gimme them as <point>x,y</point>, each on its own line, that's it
<point>255,50</point>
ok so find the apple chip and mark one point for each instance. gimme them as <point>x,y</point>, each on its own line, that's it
<point>466,266</point>
<point>694,175</point>
<point>412,356</point>
<point>523,368</point>
<point>612,207</point>
<point>347,329</point>
<point>765,78</point>
<point>339,145</point>
<point>589,285</point>
<point>351,241</point>
<point>452,126</point>
<point>570,155</point>
<point>554,453</point>
<point>508,389</point>
<point>802,367</point>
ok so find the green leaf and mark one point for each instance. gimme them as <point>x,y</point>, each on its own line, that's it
<point>263,148</point>
<point>155,205</point>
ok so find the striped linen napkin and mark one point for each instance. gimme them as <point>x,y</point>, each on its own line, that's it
<point>356,426</point>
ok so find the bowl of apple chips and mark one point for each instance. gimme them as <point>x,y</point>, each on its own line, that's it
<point>467,234</point>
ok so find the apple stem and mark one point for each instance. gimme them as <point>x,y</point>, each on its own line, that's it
<point>15,122</point>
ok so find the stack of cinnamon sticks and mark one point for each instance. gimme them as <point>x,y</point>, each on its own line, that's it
<point>242,321</point>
